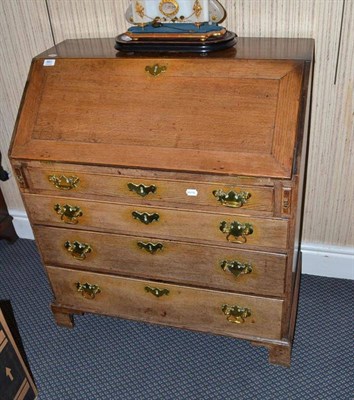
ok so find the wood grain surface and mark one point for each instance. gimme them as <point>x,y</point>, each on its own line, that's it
<point>268,233</point>
<point>72,110</point>
<point>197,309</point>
<point>186,263</point>
<point>96,184</point>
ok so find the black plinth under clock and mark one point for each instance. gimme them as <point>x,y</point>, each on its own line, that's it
<point>176,46</point>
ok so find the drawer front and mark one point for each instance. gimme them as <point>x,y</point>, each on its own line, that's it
<point>181,306</point>
<point>146,190</point>
<point>139,220</point>
<point>207,266</point>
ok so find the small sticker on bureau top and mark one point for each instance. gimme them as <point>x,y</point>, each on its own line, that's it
<point>48,63</point>
<point>192,192</point>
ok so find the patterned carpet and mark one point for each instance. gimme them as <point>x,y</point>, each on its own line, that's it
<point>109,358</point>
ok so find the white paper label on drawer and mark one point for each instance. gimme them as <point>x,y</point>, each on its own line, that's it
<point>49,63</point>
<point>192,192</point>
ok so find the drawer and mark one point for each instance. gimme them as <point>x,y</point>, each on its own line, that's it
<point>198,265</point>
<point>146,190</point>
<point>181,306</point>
<point>222,228</point>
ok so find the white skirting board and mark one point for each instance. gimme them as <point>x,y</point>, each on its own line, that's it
<point>21,224</point>
<point>317,259</point>
<point>330,261</point>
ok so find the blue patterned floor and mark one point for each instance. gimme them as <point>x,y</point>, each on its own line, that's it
<point>109,358</point>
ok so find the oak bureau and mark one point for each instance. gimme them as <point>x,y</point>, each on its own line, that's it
<point>169,188</point>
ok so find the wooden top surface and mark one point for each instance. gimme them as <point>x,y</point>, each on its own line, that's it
<point>246,48</point>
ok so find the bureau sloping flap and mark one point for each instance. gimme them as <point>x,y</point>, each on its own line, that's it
<point>231,117</point>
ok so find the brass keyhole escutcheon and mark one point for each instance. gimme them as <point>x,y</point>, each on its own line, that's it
<point>155,70</point>
<point>156,291</point>
<point>141,189</point>
<point>145,217</point>
<point>151,248</point>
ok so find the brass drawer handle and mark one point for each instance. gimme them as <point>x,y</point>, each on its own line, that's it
<point>156,291</point>
<point>78,250</point>
<point>63,182</point>
<point>151,248</point>
<point>232,199</point>
<point>236,314</point>
<point>69,214</point>
<point>155,70</point>
<point>141,189</point>
<point>145,218</point>
<point>87,290</point>
<point>236,268</point>
<point>236,229</point>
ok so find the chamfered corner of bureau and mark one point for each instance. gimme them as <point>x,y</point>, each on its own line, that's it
<point>169,188</point>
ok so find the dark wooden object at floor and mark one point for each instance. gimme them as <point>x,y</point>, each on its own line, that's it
<point>7,230</point>
<point>15,379</point>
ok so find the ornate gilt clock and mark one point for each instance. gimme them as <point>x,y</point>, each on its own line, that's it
<point>182,11</point>
<point>169,8</point>
<point>175,25</point>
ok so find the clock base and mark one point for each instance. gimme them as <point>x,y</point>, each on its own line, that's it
<point>125,43</point>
